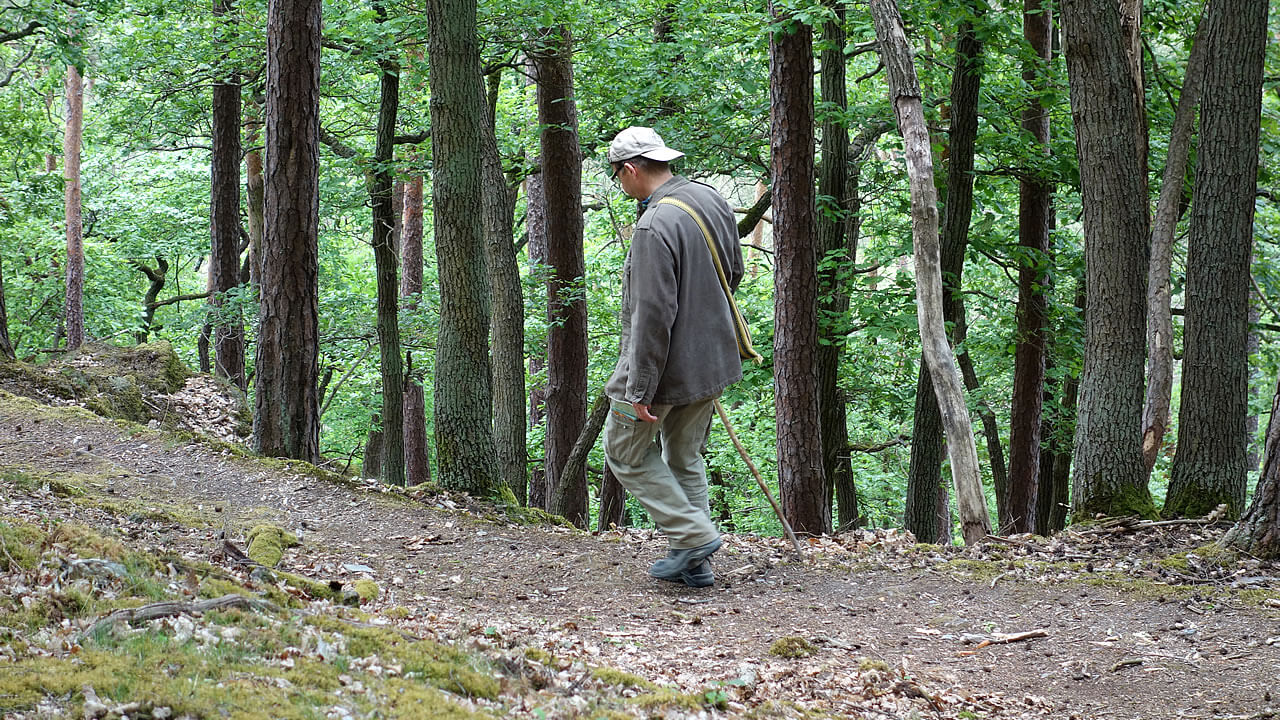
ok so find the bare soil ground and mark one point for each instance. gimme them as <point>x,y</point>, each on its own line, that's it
<point>1086,625</point>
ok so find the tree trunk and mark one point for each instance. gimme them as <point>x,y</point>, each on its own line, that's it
<point>536,223</point>
<point>1209,468</point>
<point>921,515</point>
<point>577,460</point>
<point>908,108</point>
<point>287,404</point>
<point>254,195</point>
<point>417,454</point>
<point>1108,477</point>
<point>385,259</point>
<point>1156,407</point>
<point>613,502</point>
<point>806,502</point>
<point>224,221</point>
<point>1035,208</point>
<point>566,307</point>
<point>71,143</point>
<point>838,194</point>
<point>510,423</point>
<point>463,398</point>
<point>371,465</point>
<point>1258,532</point>
<point>6,345</point>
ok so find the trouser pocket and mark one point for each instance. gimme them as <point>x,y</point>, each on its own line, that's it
<point>626,438</point>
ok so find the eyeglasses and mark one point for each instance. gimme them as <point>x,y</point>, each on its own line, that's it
<point>617,170</point>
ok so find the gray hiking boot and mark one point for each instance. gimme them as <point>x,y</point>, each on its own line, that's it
<point>678,561</point>
<point>700,576</point>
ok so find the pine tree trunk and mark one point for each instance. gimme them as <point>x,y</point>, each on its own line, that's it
<point>567,311</point>
<point>417,457</point>
<point>1035,207</point>
<point>1156,407</point>
<point>805,499</point>
<point>224,217</point>
<point>6,345</point>
<point>463,397</point>
<point>832,225</point>
<point>509,419</point>
<point>71,143</point>
<point>287,403</point>
<point>254,194</point>
<point>1108,476</point>
<point>613,502</point>
<point>536,222</point>
<point>908,108</point>
<point>1209,468</point>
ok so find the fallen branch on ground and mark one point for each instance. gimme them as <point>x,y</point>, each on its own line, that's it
<point>159,610</point>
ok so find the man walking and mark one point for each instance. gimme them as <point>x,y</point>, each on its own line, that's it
<point>679,349</point>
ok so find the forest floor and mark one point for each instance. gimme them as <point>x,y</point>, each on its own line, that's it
<point>1128,621</point>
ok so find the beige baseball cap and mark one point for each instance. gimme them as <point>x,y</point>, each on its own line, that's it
<point>640,142</point>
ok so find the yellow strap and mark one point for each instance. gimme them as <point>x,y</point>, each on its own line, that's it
<point>745,348</point>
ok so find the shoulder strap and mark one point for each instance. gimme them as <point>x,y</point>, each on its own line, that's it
<point>745,348</point>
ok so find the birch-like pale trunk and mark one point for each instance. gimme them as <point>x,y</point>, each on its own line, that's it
<point>904,90</point>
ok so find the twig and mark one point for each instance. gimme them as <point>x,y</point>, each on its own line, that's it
<point>786,526</point>
<point>334,392</point>
<point>1006,638</point>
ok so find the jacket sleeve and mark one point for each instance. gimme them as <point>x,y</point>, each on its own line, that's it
<point>654,293</point>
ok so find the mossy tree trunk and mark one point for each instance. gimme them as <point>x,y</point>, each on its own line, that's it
<point>1213,444</point>
<point>463,397</point>
<point>1109,477</point>
<point>1258,532</point>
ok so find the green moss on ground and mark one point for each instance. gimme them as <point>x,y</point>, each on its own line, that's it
<point>267,544</point>
<point>792,647</point>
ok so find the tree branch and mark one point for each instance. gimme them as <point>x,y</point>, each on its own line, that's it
<point>30,29</point>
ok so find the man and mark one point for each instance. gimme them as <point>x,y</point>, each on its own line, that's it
<point>678,349</point>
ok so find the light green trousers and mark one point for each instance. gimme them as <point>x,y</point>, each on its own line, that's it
<point>671,482</point>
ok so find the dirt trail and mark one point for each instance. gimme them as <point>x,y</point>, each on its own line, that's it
<point>1145,651</point>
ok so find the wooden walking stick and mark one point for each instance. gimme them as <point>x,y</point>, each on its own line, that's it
<point>786,526</point>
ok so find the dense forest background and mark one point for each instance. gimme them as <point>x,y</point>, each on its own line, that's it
<point>400,245</point>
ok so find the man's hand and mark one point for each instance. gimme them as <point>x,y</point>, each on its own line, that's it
<point>642,412</point>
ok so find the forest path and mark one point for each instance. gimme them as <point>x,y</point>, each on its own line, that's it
<point>1111,648</point>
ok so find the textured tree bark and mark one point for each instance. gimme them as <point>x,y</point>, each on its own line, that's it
<point>254,193</point>
<point>1209,468</point>
<point>905,92</point>
<point>224,222</point>
<point>613,502</point>
<point>463,420</point>
<point>71,143</point>
<point>1156,407</point>
<point>287,413</point>
<point>417,453</point>
<point>921,516</point>
<point>566,402</point>
<point>1108,477</point>
<point>806,502</point>
<point>1258,532</point>
<point>509,420</point>
<point>6,345</point>
<point>536,223</point>
<point>385,259</point>
<point>1035,209</point>
<point>832,228</point>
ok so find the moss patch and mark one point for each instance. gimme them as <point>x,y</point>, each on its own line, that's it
<point>267,544</point>
<point>792,647</point>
